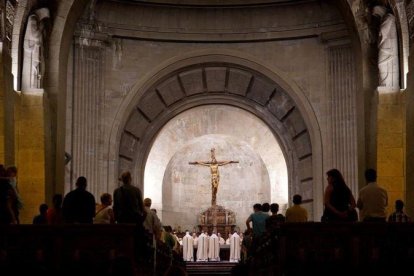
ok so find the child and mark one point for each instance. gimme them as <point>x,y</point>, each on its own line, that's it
<point>398,215</point>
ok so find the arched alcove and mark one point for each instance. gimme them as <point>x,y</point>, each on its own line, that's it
<point>174,185</point>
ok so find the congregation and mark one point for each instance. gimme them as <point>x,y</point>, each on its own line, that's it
<point>128,206</point>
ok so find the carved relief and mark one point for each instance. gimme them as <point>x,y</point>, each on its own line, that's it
<point>117,53</point>
<point>34,49</point>
<point>410,15</point>
<point>387,49</point>
<point>6,28</point>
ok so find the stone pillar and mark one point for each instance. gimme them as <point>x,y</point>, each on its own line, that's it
<point>87,100</point>
<point>409,109</point>
<point>390,144</point>
<point>343,109</point>
<point>7,94</point>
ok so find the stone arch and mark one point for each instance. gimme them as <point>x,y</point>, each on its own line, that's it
<point>239,83</point>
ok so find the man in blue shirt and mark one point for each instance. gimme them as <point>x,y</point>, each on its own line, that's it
<point>258,219</point>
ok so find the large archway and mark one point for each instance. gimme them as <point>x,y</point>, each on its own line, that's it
<point>218,83</point>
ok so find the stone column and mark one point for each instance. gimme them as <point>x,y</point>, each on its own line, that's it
<point>87,100</point>
<point>343,109</point>
<point>7,94</point>
<point>409,122</point>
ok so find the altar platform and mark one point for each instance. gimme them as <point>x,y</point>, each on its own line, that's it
<point>224,253</point>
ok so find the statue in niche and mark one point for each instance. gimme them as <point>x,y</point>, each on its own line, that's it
<point>388,64</point>
<point>34,48</point>
<point>215,176</point>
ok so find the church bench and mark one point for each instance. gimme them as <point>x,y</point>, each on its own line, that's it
<point>310,248</point>
<point>60,247</point>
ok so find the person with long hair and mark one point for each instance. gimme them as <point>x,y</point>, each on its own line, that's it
<point>339,202</point>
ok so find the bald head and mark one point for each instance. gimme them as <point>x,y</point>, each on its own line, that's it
<point>147,202</point>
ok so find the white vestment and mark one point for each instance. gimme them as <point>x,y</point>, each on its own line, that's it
<point>235,248</point>
<point>202,248</point>
<point>213,248</point>
<point>188,248</point>
<point>221,241</point>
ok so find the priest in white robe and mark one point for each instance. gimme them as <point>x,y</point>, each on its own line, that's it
<point>188,247</point>
<point>228,239</point>
<point>221,240</point>
<point>202,248</point>
<point>235,248</point>
<point>214,248</point>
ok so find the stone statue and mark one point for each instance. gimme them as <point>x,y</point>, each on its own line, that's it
<point>387,50</point>
<point>215,176</point>
<point>33,59</point>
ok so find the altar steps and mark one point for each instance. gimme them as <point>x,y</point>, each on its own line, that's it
<point>209,268</point>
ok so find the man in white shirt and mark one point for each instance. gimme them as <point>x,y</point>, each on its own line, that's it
<point>372,200</point>
<point>213,248</point>
<point>188,247</point>
<point>235,248</point>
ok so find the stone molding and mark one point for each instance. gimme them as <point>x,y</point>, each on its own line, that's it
<point>215,24</point>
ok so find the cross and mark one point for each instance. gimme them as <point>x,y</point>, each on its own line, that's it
<point>215,176</point>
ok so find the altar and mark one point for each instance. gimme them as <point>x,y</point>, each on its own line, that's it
<point>218,219</point>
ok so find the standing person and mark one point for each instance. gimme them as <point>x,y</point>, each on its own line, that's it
<point>338,199</point>
<point>258,219</point>
<point>272,222</point>
<point>188,247</point>
<point>9,213</point>
<point>228,239</point>
<point>372,199</point>
<point>266,208</point>
<point>55,215</point>
<point>235,248</point>
<point>213,248</point>
<point>152,223</point>
<point>169,239</point>
<point>11,173</point>
<point>221,240</point>
<point>104,213</point>
<point>399,215</point>
<point>79,204</point>
<point>128,203</point>
<point>41,218</point>
<point>202,248</point>
<point>296,213</point>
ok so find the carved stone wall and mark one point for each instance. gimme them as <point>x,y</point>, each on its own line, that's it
<point>409,7</point>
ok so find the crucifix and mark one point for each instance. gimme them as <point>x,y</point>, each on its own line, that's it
<point>215,176</point>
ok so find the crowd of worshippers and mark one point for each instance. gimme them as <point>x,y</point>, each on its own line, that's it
<point>128,206</point>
